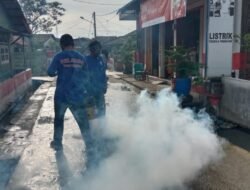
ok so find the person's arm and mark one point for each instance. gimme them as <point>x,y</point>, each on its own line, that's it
<point>52,70</point>
<point>87,79</point>
<point>105,80</point>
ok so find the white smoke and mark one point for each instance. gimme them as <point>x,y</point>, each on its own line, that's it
<point>160,146</point>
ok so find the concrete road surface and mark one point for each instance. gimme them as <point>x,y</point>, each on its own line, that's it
<point>40,167</point>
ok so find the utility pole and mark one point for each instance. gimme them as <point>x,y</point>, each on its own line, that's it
<point>94,22</point>
<point>94,18</point>
<point>57,29</point>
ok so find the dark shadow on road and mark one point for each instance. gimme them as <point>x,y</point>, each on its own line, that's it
<point>237,136</point>
<point>2,132</point>
<point>63,169</point>
<point>7,167</point>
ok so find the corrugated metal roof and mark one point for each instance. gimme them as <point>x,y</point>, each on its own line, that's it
<point>128,6</point>
<point>16,16</point>
<point>129,11</point>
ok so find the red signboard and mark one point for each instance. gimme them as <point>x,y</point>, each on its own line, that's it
<point>159,11</point>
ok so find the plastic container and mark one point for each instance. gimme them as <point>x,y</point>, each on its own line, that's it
<point>182,86</point>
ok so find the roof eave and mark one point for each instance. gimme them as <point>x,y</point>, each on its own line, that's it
<point>14,32</point>
<point>129,11</point>
<point>18,20</point>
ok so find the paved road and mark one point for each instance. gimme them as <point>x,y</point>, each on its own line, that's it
<point>233,171</point>
<point>39,167</point>
<point>42,168</point>
<point>15,130</point>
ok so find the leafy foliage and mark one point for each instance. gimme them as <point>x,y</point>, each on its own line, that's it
<point>179,60</point>
<point>41,15</point>
<point>246,42</point>
<point>124,53</point>
<point>127,51</point>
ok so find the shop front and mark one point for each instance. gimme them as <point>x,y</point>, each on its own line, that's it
<point>205,27</point>
<point>170,23</point>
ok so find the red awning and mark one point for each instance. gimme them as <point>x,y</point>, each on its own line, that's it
<point>160,11</point>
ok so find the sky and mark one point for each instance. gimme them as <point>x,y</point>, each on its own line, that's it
<point>107,24</point>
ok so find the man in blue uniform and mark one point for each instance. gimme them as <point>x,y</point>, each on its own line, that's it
<point>97,75</point>
<point>71,90</point>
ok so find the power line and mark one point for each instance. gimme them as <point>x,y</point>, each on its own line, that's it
<point>69,21</point>
<point>111,18</point>
<point>94,3</point>
<point>105,4</point>
<point>103,26</point>
<point>72,26</point>
<point>109,13</point>
<point>110,21</point>
<point>90,26</point>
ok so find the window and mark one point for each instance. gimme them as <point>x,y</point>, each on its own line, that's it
<point>18,50</point>
<point>4,37</point>
<point>4,54</point>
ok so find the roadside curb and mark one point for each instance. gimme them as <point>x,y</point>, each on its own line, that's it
<point>19,126</point>
<point>152,89</point>
<point>129,82</point>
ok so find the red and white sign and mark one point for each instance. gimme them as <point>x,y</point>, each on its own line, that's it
<point>160,11</point>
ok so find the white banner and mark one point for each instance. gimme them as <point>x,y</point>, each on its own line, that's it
<point>220,37</point>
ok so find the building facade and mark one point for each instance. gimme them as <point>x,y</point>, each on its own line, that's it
<point>219,33</point>
<point>15,77</point>
<point>14,31</point>
<point>206,27</point>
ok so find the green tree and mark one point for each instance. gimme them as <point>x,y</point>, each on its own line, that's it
<point>41,15</point>
<point>125,53</point>
<point>246,42</point>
